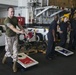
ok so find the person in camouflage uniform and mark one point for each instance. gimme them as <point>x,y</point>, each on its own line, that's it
<point>11,40</point>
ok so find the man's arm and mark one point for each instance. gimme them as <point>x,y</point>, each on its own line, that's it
<point>69,27</point>
<point>53,32</point>
<point>14,29</point>
<point>21,28</point>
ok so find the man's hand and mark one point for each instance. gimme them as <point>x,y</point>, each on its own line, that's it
<point>22,32</point>
<point>60,31</point>
<point>54,39</point>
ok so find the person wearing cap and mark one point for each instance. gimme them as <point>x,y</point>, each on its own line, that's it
<point>63,31</point>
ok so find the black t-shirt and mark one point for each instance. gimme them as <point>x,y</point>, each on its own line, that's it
<point>53,26</point>
<point>63,26</point>
<point>73,24</point>
<point>72,10</point>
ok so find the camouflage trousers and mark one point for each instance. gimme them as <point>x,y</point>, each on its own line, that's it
<point>11,47</point>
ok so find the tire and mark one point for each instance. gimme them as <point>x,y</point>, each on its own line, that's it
<point>39,37</point>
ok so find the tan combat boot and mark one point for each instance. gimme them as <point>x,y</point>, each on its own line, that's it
<point>14,66</point>
<point>4,59</point>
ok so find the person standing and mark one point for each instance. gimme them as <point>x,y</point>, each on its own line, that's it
<point>51,39</point>
<point>72,42</point>
<point>72,10</point>
<point>11,40</point>
<point>63,32</point>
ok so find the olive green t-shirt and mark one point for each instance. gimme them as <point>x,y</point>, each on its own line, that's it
<point>8,21</point>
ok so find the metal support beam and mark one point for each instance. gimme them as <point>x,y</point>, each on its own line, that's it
<point>44,9</point>
<point>56,13</point>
